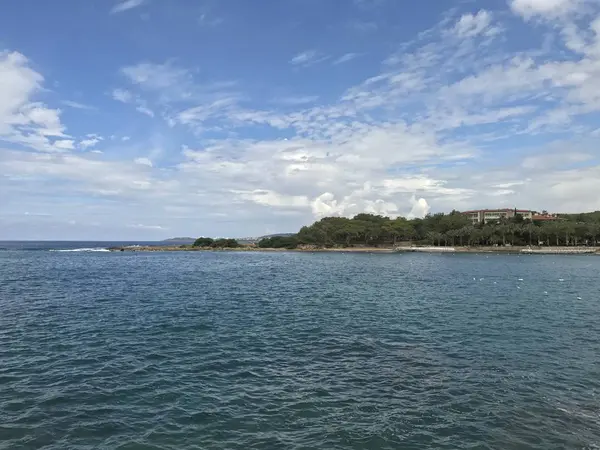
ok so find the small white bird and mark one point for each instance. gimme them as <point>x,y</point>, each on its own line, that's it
<point>578,298</point>
<point>520,279</point>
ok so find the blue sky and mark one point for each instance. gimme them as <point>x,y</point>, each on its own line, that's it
<point>144,119</point>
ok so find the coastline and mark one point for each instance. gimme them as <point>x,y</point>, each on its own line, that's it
<point>498,250</point>
<point>169,248</point>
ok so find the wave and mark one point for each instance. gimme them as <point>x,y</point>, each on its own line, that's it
<point>96,249</point>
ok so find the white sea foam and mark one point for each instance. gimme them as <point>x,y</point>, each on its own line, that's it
<point>97,249</point>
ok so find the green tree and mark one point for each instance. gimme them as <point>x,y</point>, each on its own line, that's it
<point>287,242</point>
<point>203,242</point>
<point>532,231</point>
<point>225,243</point>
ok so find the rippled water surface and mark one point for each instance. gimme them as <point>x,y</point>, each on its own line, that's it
<point>298,351</point>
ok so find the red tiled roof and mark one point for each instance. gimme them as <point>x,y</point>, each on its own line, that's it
<point>539,217</point>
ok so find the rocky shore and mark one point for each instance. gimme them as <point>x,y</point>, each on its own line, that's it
<point>400,249</point>
<point>248,248</point>
<point>505,250</point>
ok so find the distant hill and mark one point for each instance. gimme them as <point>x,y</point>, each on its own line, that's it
<point>256,239</point>
<point>179,240</point>
<point>275,235</point>
<point>245,240</point>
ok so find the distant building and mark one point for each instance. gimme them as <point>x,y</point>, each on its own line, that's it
<point>495,215</point>
<point>544,217</point>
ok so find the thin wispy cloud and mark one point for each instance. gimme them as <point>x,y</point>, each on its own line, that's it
<point>206,20</point>
<point>362,26</point>
<point>308,58</point>
<point>296,100</point>
<point>122,95</point>
<point>470,25</point>
<point>126,5</point>
<point>345,58</point>
<point>77,105</point>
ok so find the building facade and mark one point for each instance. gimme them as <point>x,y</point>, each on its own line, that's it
<point>495,215</point>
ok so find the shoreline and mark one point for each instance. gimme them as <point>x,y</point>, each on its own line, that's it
<point>168,248</point>
<point>498,250</point>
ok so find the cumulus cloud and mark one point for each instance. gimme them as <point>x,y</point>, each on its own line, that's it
<point>143,161</point>
<point>420,208</point>
<point>23,120</point>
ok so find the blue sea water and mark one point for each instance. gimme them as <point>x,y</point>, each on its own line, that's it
<point>231,350</point>
<point>78,246</point>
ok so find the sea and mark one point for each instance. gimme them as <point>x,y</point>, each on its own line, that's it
<point>284,350</point>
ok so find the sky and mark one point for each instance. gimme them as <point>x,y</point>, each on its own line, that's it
<point>147,119</point>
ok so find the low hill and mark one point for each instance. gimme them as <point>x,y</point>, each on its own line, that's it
<point>179,240</point>
<point>252,240</point>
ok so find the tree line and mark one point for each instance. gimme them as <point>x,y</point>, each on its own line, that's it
<point>206,242</point>
<point>442,230</point>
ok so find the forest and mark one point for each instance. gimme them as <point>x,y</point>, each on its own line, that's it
<point>442,229</point>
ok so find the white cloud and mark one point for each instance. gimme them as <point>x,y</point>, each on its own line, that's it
<point>547,8</point>
<point>155,76</point>
<point>308,58</point>
<point>146,227</point>
<point>295,101</point>
<point>65,144</point>
<point>77,105</point>
<point>471,25</point>
<point>206,20</point>
<point>420,208</point>
<point>452,119</point>
<point>145,110</point>
<point>304,57</point>
<point>90,141</point>
<point>143,161</point>
<point>271,198</point>
<point>125,5</point>
<point>122,95</point>
<point>125,96</point>
<point>346,58</point>
<point>91,175</point>
<point>23,120</point>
